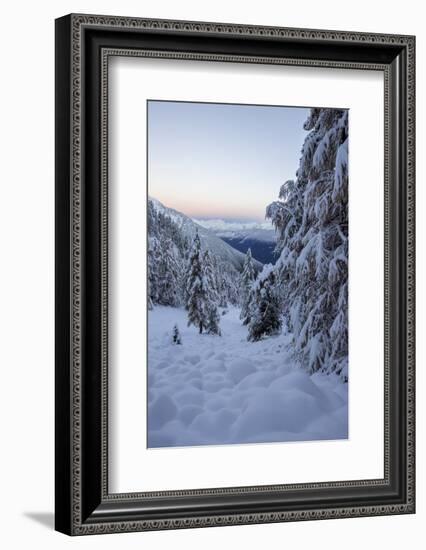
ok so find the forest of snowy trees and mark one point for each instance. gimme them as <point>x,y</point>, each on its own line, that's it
<point>305,290</point>
<point>170,263</point>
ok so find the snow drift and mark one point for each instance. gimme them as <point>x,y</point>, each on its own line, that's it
<point>221,390</point>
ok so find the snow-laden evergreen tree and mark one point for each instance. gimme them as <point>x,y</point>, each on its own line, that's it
<point>220,283</point>
<point>176,338</point>
<point>196,289</point>
<point>211,293</point>
<point>213,320</point>
<point>247,278</point>
<point>210,281</point>
<point>168,270</point>
<point>311,219</point>
<point>265,306</point>
<point>152,273</point>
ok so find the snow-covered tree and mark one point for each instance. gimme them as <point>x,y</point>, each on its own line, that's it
<point>196,289</point>
<point>248,275</point>
<point>176,338</point>
<point>211,293</point>
<point>210,280</point>
<point>311,219</point>
<point>221,283</point>
<point>168,271</point>
<point>265,316</point>
<point>152,273</point>
<point>213,320</point>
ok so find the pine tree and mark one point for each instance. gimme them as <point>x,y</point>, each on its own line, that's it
<point>212,295</point>
<point>176,338</point>
<point>209,276</point>
<point>152,272</point>
<point>247,278</point>
<point>311,219</point>
<point>213,321</point>
<point>223,289</point>
<point>168,274</point>
<point>196,291</point>
<point>265,318</point>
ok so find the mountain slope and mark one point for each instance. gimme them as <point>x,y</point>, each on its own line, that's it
<point>209,240</point>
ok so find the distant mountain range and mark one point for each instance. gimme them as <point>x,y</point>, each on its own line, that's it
<point>259,237</point>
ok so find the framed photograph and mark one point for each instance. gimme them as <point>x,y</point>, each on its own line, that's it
<point>234,274</point>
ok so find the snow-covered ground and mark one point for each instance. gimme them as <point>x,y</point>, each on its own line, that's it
<point>222,389</point>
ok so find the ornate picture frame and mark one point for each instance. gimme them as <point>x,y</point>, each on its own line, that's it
<point>84,45</point>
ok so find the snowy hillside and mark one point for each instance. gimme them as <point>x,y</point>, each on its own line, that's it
<point>222,390</point>
<point>209,240</point>
<point>172,237</point>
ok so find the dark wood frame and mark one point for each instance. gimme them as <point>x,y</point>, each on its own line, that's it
<point>83,46</point>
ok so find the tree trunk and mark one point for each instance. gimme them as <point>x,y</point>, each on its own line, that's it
<point>201,328</point>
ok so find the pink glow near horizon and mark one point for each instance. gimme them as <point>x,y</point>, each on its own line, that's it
<point>220,160</point>
<point>210,209</point>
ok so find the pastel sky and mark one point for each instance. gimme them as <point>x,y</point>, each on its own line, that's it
<point>212,160</point>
